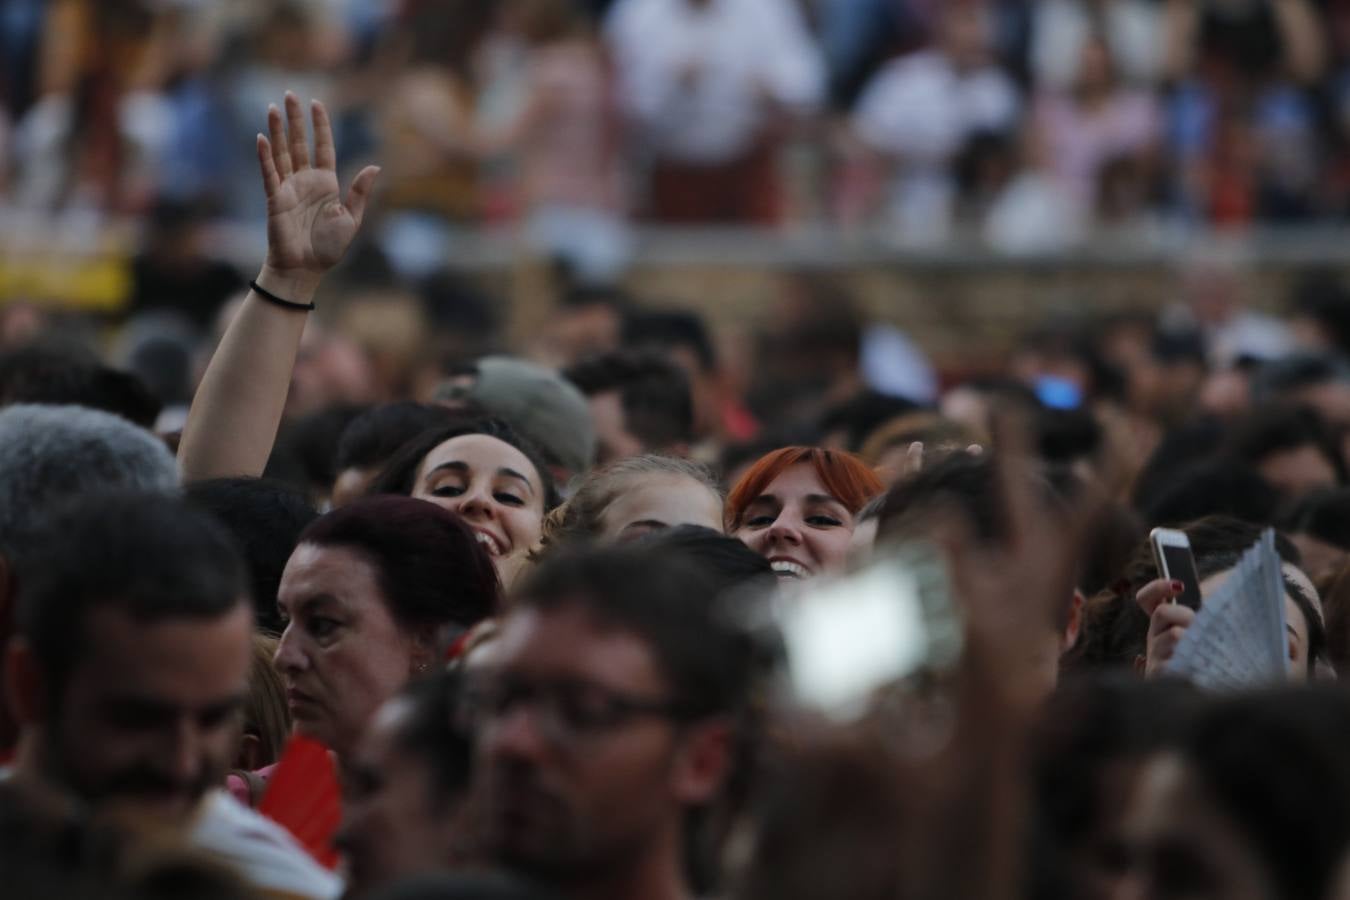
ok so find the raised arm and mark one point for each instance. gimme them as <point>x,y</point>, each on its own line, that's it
<point>237,410</point>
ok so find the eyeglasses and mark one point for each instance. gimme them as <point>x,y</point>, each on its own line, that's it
<point>565,710</point>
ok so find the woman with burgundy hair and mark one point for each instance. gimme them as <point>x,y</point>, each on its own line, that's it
<point>796,507</point>
<point>375,595</point>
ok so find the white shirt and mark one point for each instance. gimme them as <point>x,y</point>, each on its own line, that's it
<point>921,108</point>
<point>1133,30</point>
<point>262,852</point>
<point>740,52</point>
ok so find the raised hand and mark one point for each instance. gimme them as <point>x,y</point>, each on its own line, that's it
<point>308,226</point>
<point>1167,622</point>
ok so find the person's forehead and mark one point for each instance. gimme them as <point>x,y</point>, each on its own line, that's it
<point>670,490</point>
<point>571,642</point>
<point>184,660</point>
<point>797,481</point>
<point>481,453</point>
<point>312,568</point>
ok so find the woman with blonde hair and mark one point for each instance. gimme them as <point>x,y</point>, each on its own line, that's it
<point>635,496</point>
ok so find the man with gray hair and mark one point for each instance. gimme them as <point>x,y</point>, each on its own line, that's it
<point>52,453</point>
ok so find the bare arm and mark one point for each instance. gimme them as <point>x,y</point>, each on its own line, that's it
<point>237,410</point>
<point>1304,50</point>
<point>1181,19</point>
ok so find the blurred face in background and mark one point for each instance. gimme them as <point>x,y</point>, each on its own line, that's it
<point>580,767</point>
<point>1298,471</point>
<point>395,822</point>
<point>149,717</point>
<point>1181,845</point>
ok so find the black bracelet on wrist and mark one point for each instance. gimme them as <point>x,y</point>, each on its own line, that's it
<point>273,298</point>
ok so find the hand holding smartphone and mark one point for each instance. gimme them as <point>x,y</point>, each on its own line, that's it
<point>1172,553</point>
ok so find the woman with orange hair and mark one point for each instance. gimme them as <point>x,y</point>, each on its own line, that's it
<point>796,507</point>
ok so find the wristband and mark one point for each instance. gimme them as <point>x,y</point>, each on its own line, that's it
<point>274,299</point>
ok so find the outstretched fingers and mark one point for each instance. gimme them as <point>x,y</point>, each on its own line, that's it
<point>271,182</point>
<point>281,157</point>
<point>295,126</point>
<point>1012,468</point>
<point>359,193</point>
<point>325,156</point>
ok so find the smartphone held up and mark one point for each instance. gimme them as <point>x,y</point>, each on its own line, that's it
<point>1172,553</point>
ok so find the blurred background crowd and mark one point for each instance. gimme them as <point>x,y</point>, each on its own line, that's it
<point>550,166</point>
<point>1032,123</point>
<point>699,248</point>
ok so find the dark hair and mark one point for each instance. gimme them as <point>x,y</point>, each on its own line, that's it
<point>1320,296</point>
<point>1115,628</point>
<point>862,414</point>
<point>146,555</point>
<point>375,435</point>
<point>58,372</point>
<point>1065,435</point>
<point>1217,487</point>
<point>433,731</point>
<point>1274,762</point>
<point>400,473</point>
<point>1180,448</point>
<point>1086,725</point>
<point>429,565</point>
<point>1277,428</point>
<point>727,562</point>
<point>1324,515</point>
<point>965,481</point>
<point>304,452</point>
<point>1293,373</point>
<point>658,407</point>
<point>266,518</point>
<point>668,602</point>
<point>1114,535</point>
<point>461,886</point>
<point>667,329</point>
<point>967,484</point>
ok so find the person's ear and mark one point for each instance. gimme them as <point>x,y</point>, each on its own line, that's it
<point>703,762</point>
<point>1073,627</point>
<point>25,686</point>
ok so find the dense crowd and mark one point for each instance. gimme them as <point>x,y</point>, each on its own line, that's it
<point>612,625</point>
<point>1031,124</point>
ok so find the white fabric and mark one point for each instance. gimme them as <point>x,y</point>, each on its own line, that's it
<point>741,51</point>
<point>1032,215</point>
<point>893,364</point>
<point>921,108</point>
<point>259,850</point>
<point>1133,30</point>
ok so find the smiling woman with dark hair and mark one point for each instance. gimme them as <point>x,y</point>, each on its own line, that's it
<point>374,595</point>
<point>489,475</point>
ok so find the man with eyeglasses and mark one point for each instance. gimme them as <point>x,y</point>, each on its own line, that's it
<point>610,709</point>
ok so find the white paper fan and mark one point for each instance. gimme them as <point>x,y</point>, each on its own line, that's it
<point>1238,638</point>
